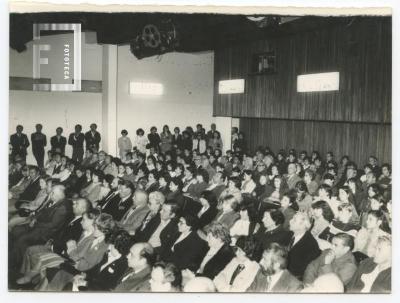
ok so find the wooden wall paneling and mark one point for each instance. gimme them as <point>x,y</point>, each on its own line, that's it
<point>358,140</point>
<point>359,50</point>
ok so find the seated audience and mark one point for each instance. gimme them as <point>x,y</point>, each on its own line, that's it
<point>373,274</point>
<point>208,211</point>
<point>135,215</point>
<point>42,226</point>
<point>338,260</point>
<point>199,284</point>
<point>140,260</point>
<point>272,231</point>
<point>165,277</point>
<point>247,224</point>
<point>367,237</point>
<point>92,191</point>
<point>84,254</point>
<point>248,184</point>
<point>273,275</point>
<point>192,203</point>
<point>303,248</point>
<point>289,206</point>
<point>239,273</point>
<point>188,251</point>
<point>105,275</point>
<point>219,253</point>
<point>228,215</point>
<point>326,283</point>
<point>39,257</point>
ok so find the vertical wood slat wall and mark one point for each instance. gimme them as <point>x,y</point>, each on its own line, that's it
<point>359,49</point>
<point>357,140</point>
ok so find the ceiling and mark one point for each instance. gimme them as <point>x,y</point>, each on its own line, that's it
<point>191,32</point>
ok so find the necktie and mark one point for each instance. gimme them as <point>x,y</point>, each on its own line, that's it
<point>44,204</point>
<point>127,215</point>
<point>237,271</point>
<point>146,221</point>
<point>50,204</point>
<point>129,273</point>
<point>198,145</point>
<point>268,286</point>
<point>291,244</point>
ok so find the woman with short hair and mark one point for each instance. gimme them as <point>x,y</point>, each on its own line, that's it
<point>124,144</point>
<point>240,272</point>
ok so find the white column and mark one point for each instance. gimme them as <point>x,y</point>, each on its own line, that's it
<point>224,126</point>
<point>109,99</point>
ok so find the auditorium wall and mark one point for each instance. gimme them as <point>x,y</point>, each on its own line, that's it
<point>358,48</point>
<point>54,109</point>
<point>357,140</point>
<point>187,99</point>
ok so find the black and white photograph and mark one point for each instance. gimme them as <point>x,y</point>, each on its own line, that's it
<point>199,150</point>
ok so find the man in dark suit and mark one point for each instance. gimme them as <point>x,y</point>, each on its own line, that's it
<point>76,140</point>
<point>134,217</point>
<point>162,235</point>
<point>217,185</point>
<point>273,275</point>
<point>189,249</point>
<point>152,219</point>
<point>140,260</point>
<point>19,143</point>
<point>39,141</point>
<point>73,230</point>
<point>111,199</point>
<point>292,178</point>
<point>58,142</point>
<point>43,226</point>
<point>122,202</point>
<point>93,138</point>
<point>31,191</point>
<point>101,164</point>
<point>210,133</point>
<point>303,248</point>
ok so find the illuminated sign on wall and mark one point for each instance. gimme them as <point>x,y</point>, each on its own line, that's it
<point>146,88</point>
<point>318,82</point>
<point>231,86</point>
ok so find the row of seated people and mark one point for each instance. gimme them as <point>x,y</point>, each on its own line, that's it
<point>168,253</point>
<point>241,209</point>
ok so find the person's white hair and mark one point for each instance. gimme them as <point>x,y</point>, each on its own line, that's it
<point>157,196</point>
<point>327,283</point>
<point>303,216</point>
<point>199,284</point>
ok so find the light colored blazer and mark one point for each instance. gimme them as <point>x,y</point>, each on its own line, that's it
<point>242,281</point>
<point>131,222</point>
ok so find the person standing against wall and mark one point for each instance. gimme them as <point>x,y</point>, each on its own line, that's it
<point>39,141</point>
<point>19,143</point>
<point>58,142</point>
<point>93,138</point>
<point>76,141</point>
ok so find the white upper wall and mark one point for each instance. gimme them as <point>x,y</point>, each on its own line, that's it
<point>54,109</point>
<point>187,99</point>
<point>188,91</point>
<point>21,64</point>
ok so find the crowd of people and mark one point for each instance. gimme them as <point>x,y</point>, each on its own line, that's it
<point>175,213</point>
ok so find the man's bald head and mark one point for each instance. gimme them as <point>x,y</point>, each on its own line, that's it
<point>58,193</point>
<point>140,198</point>
<point>81,206</point>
